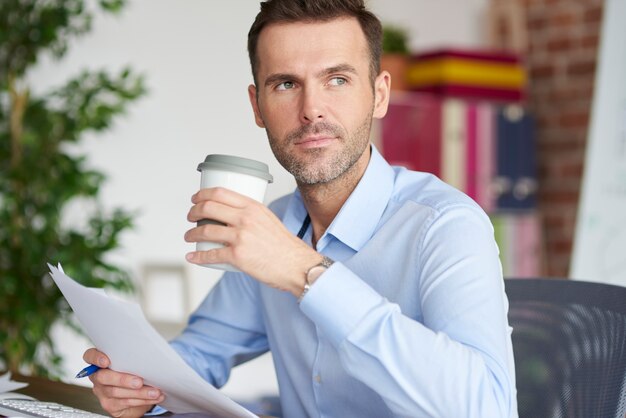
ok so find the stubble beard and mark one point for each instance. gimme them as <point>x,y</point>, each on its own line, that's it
<point>316,167</point>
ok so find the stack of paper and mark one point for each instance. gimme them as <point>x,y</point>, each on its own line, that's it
<point>119,329</point>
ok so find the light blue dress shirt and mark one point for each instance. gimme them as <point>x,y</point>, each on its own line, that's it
<point>410,321</point>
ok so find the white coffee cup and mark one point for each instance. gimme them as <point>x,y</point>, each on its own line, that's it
<point>241,175</point>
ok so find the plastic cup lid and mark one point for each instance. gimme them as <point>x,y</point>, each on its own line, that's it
<point>237,165</point>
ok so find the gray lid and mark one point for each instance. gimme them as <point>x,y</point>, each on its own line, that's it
<point>237,165</point>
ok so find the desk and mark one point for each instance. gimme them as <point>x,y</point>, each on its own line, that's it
<point>50,391</point>
<point>72,395</point>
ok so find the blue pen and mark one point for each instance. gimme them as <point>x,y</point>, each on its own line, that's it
<point>88,371</point>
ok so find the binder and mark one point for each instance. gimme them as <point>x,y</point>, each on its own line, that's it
<point>528,246</point>
<point>525,186</point>
<point>396,129</point>
<point>486,156</point>
<point>516,165</point>
<point>427,133</point>
<point>472,151</point>
<point>411,132</point>
<point>454,138</point>
<point>475,92</point>
<point>469,74</point>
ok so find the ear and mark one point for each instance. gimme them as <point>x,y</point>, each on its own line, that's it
<point>382,90</point>
<point>255,106</point>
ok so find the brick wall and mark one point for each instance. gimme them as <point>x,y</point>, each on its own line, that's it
<point>563,40</point>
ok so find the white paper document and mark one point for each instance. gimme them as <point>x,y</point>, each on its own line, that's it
<point>8,385</point>
<point>119,329</point>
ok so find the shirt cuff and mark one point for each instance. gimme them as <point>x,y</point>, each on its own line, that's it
<point>155,410</point>
<point>338,301</point>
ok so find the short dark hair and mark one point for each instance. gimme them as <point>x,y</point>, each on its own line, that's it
<point>289,11</point>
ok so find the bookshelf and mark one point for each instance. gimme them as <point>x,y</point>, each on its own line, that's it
<point>477,136</point>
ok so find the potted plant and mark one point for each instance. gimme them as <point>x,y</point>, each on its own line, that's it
<point>39,178</point>
<point>395,58</point>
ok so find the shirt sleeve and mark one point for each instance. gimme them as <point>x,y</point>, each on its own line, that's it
<point>454,361</point>
<point>226,330</point>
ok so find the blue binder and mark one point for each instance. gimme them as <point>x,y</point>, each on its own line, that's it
<point>516,180</point>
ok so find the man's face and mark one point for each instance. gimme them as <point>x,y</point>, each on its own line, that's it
<point>315,98</point>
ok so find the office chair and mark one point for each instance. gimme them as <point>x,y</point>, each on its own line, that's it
<point>569,342</point>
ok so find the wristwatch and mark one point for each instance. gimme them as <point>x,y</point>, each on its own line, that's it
<point>314,273</point>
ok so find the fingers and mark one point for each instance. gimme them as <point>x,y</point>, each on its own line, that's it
<point>210,233</point>
<point>211,209</point>
<point>126,408</point>
<point>133,412</point>
<point>120,394</point>
<point>220,205</point>
<point>123,394</point>
<point>127,397</point>
<point>93,356</point>
<point>217,255</point>
<point>108,377</point>
<point>232,209</point>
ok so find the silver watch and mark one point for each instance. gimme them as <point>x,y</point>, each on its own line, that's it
<point>313,273</point>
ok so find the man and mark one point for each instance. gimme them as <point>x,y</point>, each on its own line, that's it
<point>378,290</point>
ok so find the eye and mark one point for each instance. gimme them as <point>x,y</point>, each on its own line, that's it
<point>286,85</point>
<point>338,81</point>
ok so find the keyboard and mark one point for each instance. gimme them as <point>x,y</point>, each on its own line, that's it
<point>27,408</point>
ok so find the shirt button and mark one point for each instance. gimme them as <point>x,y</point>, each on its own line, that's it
<point>318,378</point>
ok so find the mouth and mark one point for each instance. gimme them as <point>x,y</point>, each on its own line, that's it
<point>314,141</point>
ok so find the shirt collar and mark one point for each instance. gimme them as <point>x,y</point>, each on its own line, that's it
<point>360,215</point>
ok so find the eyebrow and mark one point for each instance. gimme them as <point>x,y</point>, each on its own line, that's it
<point>275,78</point>
<point>340,68</point>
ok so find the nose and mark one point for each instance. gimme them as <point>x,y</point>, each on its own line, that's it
<point>312,106</point>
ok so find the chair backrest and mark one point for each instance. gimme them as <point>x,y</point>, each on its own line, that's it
<point>569,342</point>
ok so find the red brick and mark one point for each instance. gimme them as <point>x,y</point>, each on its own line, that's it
<point>573,91</point>
<point>536,95</point>
<point>545,120</point>
<point>556,136</point>
<point>537,23</point>
<point>557,196</point>
<point>574,119</point>
<point>593,14</point>
<point>560,44</point>
<point>561,246</point>
<point>562,17</point>
<point>581,68</point>
<point>590,41</point>
<point>554,221</point>
<point>541,71</point>
<point>555,147</point>
<point>573,169</point>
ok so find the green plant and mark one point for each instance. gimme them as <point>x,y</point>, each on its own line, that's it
<point>395,40</point>
<point>40,176</point>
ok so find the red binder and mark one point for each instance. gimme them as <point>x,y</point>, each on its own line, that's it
<point>411,132</point>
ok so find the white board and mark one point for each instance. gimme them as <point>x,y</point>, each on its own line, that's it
<point>600,241</point>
